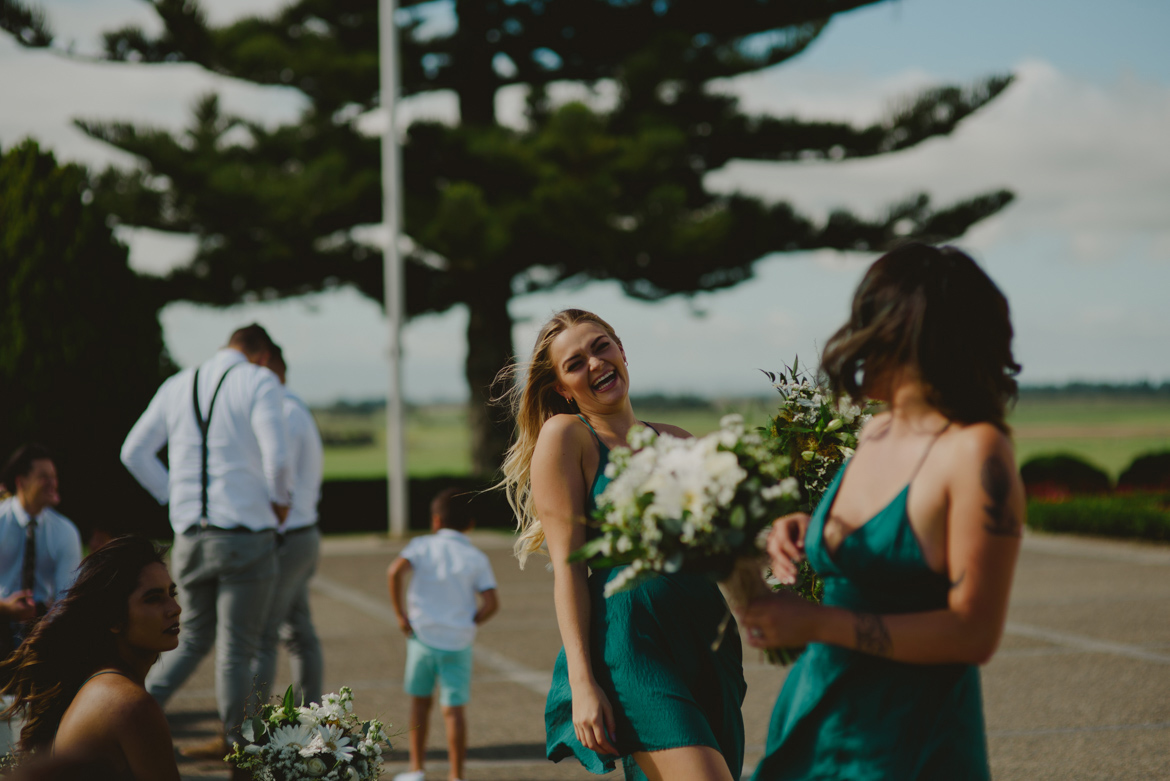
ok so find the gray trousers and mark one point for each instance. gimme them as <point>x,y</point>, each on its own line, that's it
<point>289,619</point>
<point>225,585</point>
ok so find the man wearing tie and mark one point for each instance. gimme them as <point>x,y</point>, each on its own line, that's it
<point>228,489</point>
<point>39,548</point>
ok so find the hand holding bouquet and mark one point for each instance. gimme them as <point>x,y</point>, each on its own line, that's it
<point>818,434</point>
<point>699,505</point>
<point>322,742</point>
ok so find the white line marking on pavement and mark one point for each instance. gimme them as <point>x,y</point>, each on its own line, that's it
<point>1016,733</point>
<point>534,680</point>
<point>1085,643</point>
<point>1102,550</point>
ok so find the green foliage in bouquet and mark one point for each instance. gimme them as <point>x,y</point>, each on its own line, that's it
<point>322,742</point>
<point>692,505</point>
<point>818,434</point>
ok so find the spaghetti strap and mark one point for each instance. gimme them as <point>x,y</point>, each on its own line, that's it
<point>101,672</point>
<point>586,422</point>
<point>929,447</point>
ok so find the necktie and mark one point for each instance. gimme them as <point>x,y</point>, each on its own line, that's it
<point>28,572</point>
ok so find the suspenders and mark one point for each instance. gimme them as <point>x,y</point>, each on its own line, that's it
<point>204,423</point>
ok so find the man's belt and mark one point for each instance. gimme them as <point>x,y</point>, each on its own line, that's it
<point>228,529</point>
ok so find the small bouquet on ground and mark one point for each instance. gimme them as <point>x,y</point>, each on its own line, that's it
<point>322,742</point>
<point>818,434</point>
<point>696,505</point>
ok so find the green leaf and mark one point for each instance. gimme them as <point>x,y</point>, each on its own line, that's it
<point>290,702</point>
<point>738,518</point>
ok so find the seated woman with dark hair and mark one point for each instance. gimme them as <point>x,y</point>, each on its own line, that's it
<point>77,678</point>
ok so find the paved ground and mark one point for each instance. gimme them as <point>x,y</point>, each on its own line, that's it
<point>1079,690</point>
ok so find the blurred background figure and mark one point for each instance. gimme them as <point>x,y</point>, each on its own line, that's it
<point>289,618</point>
<point>227,487</point>
<point>39,553</point>
<point>452,591</point>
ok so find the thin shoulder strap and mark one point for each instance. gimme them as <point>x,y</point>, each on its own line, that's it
<point>102,672</point>
<point>204,425</point>
<point>586,422</point>
<point>929,447</point>
<point>650,426</point>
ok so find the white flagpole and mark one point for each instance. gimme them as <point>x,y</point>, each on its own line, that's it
<point>395,298</point>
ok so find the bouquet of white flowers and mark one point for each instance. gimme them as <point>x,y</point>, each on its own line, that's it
<point>321,742</point>
<point>696,505</point>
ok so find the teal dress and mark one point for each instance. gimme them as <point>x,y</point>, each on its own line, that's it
<point>843,714</point>
<point>651,652</point>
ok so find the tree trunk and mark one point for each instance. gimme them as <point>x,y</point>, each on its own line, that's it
<point>475,76</point>
<point>489,349</point>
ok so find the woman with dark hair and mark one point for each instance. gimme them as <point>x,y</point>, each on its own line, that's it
<point>637,679</point>
<point>78,677</point>
<point>916,538</point>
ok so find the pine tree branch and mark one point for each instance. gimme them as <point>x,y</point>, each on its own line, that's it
<point>748,231</point>
<point>26,24</point>
<point>721,134</point>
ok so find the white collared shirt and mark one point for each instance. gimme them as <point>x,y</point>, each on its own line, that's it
<point>247,446</point>
<point>447,574</point>
<point>306,462</point>
<point>58,551</point>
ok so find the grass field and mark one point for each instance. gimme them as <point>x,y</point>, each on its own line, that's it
<point>1107,431</point>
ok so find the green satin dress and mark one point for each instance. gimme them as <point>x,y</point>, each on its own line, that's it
<point>843,714</point>
<point>651,651</point>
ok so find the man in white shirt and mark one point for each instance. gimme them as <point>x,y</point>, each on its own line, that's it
<point>227,487</point>
<point>39,549</point>
<point>289,618</point>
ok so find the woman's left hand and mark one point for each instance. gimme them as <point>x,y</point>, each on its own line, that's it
<point>778,621</point>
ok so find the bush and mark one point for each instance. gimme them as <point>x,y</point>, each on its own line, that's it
<point>1150,472</point>
<point>1062,475</point>
<point>362,505</point>
<point>1137,516</point>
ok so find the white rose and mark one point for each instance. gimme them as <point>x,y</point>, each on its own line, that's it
<point>315,766</point>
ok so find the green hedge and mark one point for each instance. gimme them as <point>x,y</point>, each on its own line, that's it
<point>1141,516</point>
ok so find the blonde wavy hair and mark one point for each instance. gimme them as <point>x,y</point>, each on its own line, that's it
<point>534,401</point>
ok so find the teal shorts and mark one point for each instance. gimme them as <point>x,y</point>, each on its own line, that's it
<point>452,669</point>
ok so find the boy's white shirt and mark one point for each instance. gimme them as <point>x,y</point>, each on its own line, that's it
<point>447,574</point>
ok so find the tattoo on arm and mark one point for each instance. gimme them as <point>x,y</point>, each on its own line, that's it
<point>871,634</point>
<point>962,576</point>
<point>997,485</point>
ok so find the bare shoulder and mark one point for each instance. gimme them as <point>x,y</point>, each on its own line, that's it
<point>674,431</point>
<point>108,705</point>
<point>875,427</point>
<point>975,443</point>
<point>120,698</point>
<point>561,430</point>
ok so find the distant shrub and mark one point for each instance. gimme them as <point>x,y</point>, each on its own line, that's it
<point>1136,516</point>
<point>362,505</point>
<point>1150,472</point>
<point>1060,475</point>
<point>671,402</point>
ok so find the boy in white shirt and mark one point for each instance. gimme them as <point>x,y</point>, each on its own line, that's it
<point>452,591</point>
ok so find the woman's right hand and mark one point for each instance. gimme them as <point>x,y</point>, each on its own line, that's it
<point>593,720</point>
<point>786,545</point>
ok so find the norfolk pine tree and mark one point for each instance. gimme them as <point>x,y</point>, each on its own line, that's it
<point>493,212</point>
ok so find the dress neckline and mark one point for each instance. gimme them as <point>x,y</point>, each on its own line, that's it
<point>900,497</point>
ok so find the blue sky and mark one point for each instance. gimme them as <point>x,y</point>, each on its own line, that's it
<point>1083,254</point>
